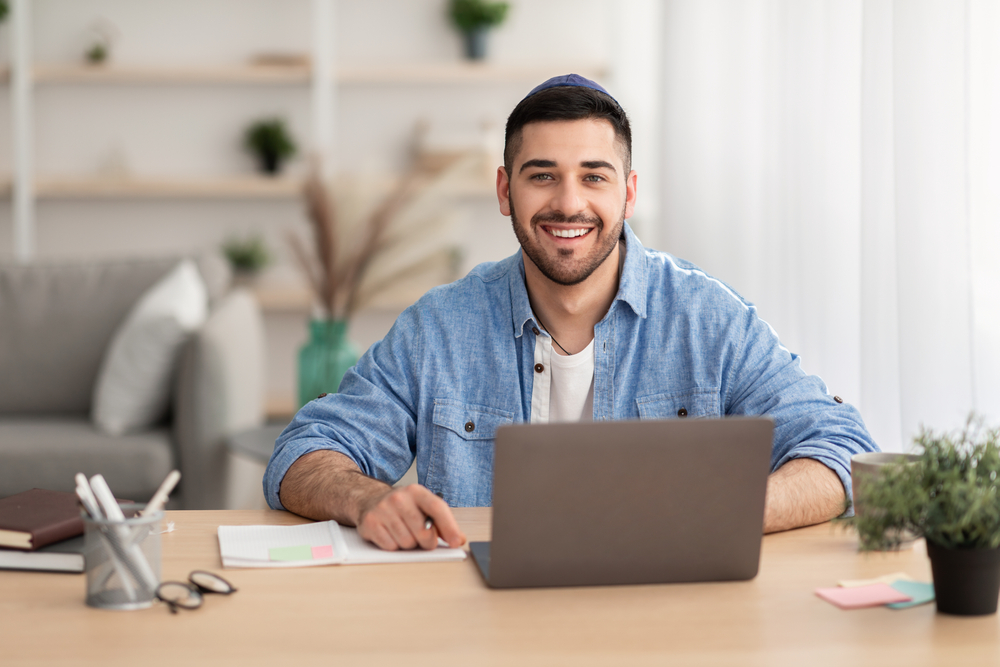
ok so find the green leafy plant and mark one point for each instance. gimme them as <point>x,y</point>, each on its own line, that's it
<point>270,142</point>
<point>4,10</point>
<point>97,54</point>
<point>950,495</point>
<point>248,255</point>
<point>469,15</point>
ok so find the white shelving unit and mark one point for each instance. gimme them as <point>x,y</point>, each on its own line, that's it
<point>25,187</point>
<point>236,187</point>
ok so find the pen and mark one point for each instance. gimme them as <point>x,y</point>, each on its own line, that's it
<point>159,498</point>
<point>428,521</point>
<point>86,496</point>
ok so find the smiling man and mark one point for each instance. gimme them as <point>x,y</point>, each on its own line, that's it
<point>584,323</point>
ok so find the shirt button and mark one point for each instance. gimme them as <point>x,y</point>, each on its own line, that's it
<point>838,399</point>
<point>539,368</point>
<point>682,412</point>
<point>535,330</point>
<point>470,427</point>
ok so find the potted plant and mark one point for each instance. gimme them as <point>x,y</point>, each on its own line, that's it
<point>474,18</point>
<point>271,143</point>
<point>247,256</point>
<point>369,240</point>
<point>4,10</point>
<point>950,496</point>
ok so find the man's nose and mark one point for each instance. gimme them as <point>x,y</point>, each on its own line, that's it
<point>567,198</point>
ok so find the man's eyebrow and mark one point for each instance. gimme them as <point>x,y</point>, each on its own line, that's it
<point>597,164</point>
<point>548,164</point>
<point>542,164</point>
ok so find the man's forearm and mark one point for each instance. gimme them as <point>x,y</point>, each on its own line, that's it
<point>325,485</point>
<point>802,492</point>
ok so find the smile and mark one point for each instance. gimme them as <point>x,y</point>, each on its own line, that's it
<point>568,233</point>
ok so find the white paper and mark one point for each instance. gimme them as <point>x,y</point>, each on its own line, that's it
<point>362,552</point>
<point>249,546</point>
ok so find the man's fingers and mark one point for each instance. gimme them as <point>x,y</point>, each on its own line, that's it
<point>444,521</point>
<point>398,521</point>
<point>377,535</point>
<point>408,505</point>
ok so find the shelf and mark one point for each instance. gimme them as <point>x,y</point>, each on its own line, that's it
<point>421,73</point>
<point>113,74</point>
<point>287,299</point>
<point>243,187</point>
<point>459,72</point>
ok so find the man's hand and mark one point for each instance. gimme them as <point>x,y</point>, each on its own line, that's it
<point>397,520</point>
<point>326,485</point>
<point>801,493</point>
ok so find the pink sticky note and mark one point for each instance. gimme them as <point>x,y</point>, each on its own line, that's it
<point>326,551</point>
<point>862,596</point>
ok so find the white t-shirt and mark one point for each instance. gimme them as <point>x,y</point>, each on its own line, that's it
<point>563,391</point>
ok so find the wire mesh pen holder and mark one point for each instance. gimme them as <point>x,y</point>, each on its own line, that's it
<point>122,559</point>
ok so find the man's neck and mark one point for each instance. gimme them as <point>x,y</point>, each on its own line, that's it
<point>570,312</point>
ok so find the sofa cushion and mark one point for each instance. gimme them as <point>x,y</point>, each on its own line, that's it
<point>56,321</point>
<point>133,386</point>
<point>48,453</point>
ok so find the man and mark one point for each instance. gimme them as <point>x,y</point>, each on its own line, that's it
<point>583,323</point>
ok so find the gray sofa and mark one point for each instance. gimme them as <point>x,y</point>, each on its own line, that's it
<point>56,321</point>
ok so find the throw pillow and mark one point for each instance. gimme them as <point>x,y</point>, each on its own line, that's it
<point>133,385</point>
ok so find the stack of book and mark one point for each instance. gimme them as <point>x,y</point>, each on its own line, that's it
<point>41,530</point>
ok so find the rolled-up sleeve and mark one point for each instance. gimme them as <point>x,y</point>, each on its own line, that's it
<point>766,379</point>
<point>371,419</point>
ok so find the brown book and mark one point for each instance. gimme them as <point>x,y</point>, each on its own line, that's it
<point>35,518</point>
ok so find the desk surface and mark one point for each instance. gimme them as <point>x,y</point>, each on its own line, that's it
<point>443,614</point>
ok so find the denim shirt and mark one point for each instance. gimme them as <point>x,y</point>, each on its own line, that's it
<point>675,342</point>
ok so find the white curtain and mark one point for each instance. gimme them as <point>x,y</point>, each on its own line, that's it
<point>838,163</point>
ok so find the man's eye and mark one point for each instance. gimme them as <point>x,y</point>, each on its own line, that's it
<point>594,178</point>
<point>541,177</point>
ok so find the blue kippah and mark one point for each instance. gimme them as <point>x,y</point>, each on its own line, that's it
<point>569,80</point>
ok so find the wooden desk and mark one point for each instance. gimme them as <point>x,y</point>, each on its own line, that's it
<point>443,614</point>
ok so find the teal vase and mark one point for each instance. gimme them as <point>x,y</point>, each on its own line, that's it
<point>324,359</point>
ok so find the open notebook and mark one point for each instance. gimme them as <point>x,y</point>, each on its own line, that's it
<point>319,543</point>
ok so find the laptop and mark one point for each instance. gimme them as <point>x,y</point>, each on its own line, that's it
<point>627,502</point>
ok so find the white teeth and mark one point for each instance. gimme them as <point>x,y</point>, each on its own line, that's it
<point>568,233</point>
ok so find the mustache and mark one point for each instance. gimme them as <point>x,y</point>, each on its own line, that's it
<point>556,216</point>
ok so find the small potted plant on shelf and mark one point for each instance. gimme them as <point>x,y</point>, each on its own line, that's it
<point>248,256</point>
<point>950,496</point>
<point>270,143</point>
<point>474,18</point>
<point>104,34</point>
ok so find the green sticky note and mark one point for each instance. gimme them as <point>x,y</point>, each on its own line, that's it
<point>300,552</point>
<point>921,592</point>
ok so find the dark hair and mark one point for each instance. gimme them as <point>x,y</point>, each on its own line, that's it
<point>566,103</point>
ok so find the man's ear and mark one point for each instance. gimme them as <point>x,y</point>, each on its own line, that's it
<point>503,191</point>
<point>630,193</point>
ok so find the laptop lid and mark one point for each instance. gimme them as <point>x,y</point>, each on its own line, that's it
<point>628,502</point>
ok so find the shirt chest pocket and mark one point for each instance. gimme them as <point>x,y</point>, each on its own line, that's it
<point>690,403</point>
<point>461,463</point>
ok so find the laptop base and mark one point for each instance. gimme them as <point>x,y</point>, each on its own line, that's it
<point>481,554</point>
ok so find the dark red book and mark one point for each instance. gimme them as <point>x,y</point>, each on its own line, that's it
<point>32,519</point>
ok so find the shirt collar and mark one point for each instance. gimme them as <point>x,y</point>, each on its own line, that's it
<point>631,286</point>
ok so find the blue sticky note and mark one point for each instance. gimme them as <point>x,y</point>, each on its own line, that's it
<point>921,592</point>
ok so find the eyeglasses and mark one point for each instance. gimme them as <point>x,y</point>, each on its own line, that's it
<point>189,595</point>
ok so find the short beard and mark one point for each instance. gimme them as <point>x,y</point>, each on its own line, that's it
<point>565,273</point>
